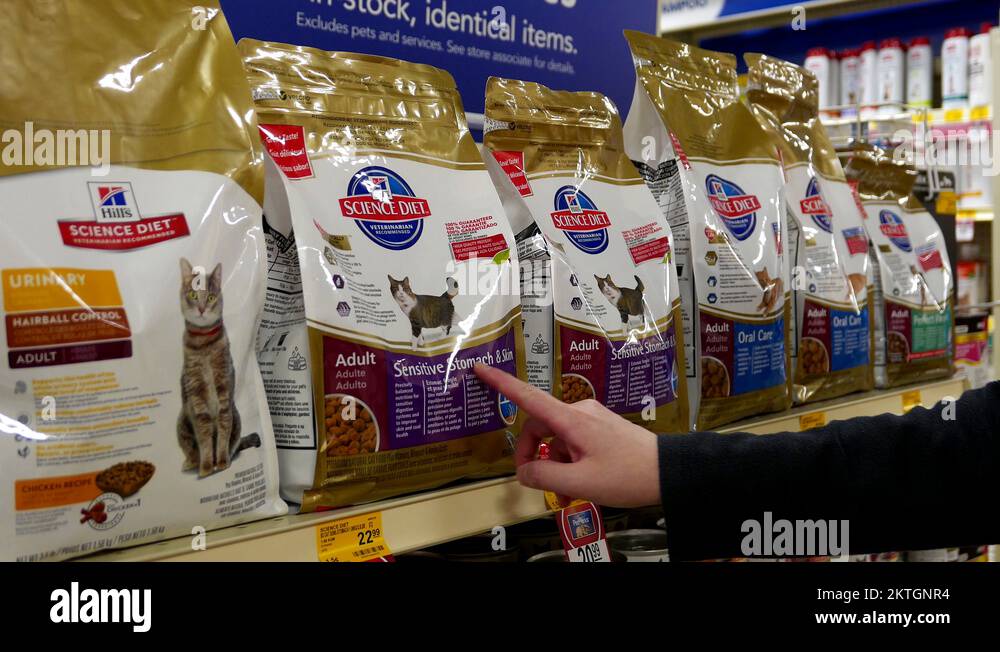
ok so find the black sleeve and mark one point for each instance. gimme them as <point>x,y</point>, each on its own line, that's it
<point>925,480</point>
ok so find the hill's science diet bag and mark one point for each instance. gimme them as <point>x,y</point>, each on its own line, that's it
<point>828,249</point>
<point>131,406</point>
<point>716,175</point>
<point>391,275</point>
<point>559,162</point>
<point>913,284</point>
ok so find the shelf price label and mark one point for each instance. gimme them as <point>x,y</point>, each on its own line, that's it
<point>911,400</point>
<point>812,420</point>
<point>980,113</point>
<point>355,538</point>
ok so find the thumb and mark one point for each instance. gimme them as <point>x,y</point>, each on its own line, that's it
<point>547,475</point>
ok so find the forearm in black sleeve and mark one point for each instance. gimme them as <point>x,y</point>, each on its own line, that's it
<point>924,480</point>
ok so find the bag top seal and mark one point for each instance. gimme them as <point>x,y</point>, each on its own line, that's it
<point>879,176</point>
<point>315,81</point>
<point>786,96</point>
<point>791,91</point>
<point>684,65</point>
<point>169,98</point>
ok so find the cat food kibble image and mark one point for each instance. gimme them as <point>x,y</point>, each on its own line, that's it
<point>132,285</point>
<point>125,478</point>
<point>385,240</point>
<point>896,348</point>
<point>813,358</point>
<point>577,203</point>
<point>575,389</point>
<point>345,436</point>
<point>714,379</point>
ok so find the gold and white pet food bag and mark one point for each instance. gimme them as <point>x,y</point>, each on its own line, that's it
<point>717,177</point>
<point>390,275</point>
<point>832,326</point>
<point>131,405</point>
<point>914,301</point>
<point>558,160</point>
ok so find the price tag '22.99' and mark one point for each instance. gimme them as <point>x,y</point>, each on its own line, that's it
<point>356,538</point>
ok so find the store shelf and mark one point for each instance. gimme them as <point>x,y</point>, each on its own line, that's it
<point>420,521</point>
<point>976,214</point>
<point>955,119</point>
<point>774,17</point>
<point>896,401</point>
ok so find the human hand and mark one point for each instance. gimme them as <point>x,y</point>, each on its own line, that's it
<point>594,453</point>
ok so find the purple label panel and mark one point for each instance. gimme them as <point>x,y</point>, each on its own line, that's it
<point>623,374</point>
<point>421,400</point>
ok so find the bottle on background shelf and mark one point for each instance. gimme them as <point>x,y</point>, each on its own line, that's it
<point>818,62</point>
<point>850,79</point>
<point>869,78</point>
<point>980,70</point>
<point>920,72</point>
<point>834,96</point>
<point>891,76</point>
<point>955,68</point>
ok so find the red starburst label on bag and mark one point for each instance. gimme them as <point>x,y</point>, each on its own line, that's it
<point>287,146</point>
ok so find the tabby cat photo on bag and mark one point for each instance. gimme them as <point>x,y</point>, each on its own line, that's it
<point>208,428</point>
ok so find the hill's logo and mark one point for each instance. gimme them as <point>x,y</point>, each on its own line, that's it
<point>893,228</point>
<point>579,218</point>
<point>737,209</point>
<point>113,202</point>
<point>814,206</point>
<point>385,208</point>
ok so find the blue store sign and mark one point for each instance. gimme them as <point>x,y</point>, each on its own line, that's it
<point>564,44</point>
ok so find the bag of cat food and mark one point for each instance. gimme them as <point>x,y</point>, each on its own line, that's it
<point>131,405</point>
<point>717,177</point>
<point>559,162</point>
<point>391,275</point>
<point>913,286</point>
<point>828,249</point>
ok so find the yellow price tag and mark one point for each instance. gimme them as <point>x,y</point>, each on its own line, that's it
<point>355,538</point>
<point>812,420</point>
<point>980,113</point>
<point>911,400</point>
<point>947,203</point>
<point>954,115</point>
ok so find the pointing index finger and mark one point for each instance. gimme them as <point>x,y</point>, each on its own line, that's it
<point>544,407</point>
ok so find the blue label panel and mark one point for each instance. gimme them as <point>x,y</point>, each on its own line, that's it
<point>758,356</point>
<point>849,339</point>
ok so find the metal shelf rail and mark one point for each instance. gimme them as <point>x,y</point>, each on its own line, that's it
<point>422,520</point>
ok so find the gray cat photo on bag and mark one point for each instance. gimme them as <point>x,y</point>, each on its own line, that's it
<point>426,312</point>
<point>628,301</point>
<point>208,428</point>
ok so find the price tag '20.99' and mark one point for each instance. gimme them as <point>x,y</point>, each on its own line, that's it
<point>582,531</point>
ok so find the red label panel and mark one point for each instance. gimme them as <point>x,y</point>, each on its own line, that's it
<point>652,250</point>
<point>486,247</point>
<point>287,146</point>
<point>123,236</point>
<point>513,164</point>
